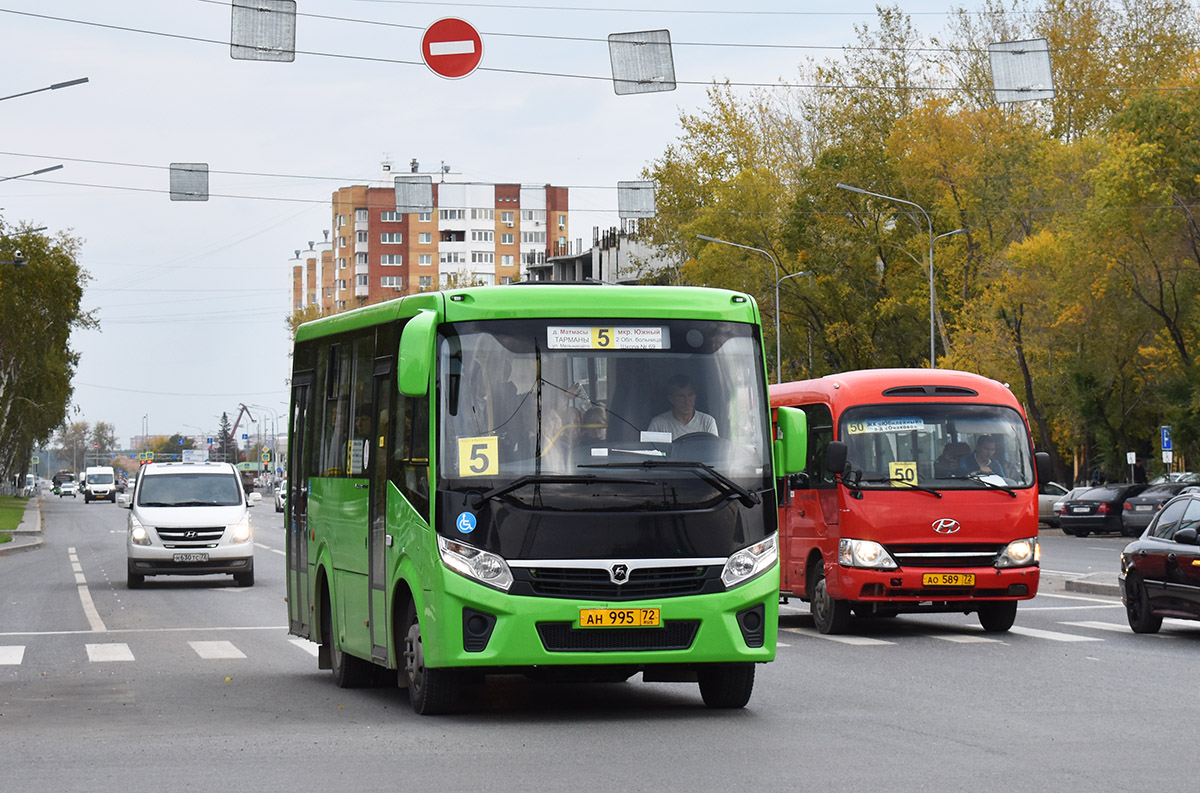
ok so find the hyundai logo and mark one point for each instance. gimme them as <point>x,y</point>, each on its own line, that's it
<point>946,526</point>
<point>619,573</point>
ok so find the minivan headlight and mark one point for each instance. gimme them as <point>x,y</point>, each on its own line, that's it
<point>241,529</point>
<point>137,532</point>
<point>482,566</point>
<point>750,561</point>
<point>1020,553</point>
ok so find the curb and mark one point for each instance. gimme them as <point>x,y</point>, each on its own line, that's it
<point>28,535</point>
<point>1093,588</point>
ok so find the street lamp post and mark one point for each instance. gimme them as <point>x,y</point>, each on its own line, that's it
<point>778,354</point>
<point>777,283</point>
<point>851,188</point>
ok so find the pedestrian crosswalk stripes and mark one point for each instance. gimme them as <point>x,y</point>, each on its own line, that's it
<point>1074,632</point>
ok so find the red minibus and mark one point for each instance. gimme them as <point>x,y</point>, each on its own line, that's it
<point>919,494</point>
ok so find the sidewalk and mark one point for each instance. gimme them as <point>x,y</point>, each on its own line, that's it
<point>28,535</point>
<point>1084,583</point>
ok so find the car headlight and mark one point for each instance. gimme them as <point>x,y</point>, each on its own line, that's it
<point>865,553</point>
<point>486,568</point>
<point>137,532</point>
<point>750,561</point>
<point>241,530</point>
<point>1020,553</point>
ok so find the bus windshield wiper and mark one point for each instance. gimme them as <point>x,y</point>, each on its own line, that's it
<point>983,480</point>
<point>478,499</point>
<point>907,485</point>
<point>702,470</point>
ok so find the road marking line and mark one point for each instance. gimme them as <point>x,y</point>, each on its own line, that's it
<point>216,650</point>
<point>305,645</point>
<point>1073,597</point>
<point>269,548</point>
<point>1115,628</point>
<point>152,630</point>
<point>79,579</point>
<point>89,610</point>
<point>76,566</point>
<point>1053,636</point>
<point>102,653</point>
<point>12,655</point>
<point>964,638</point>
<point>857,641</point>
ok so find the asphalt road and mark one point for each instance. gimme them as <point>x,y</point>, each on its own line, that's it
<point>194,684</point>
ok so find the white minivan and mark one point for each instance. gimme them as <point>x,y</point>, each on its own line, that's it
<point>100,484</point>
<point>189,519</point>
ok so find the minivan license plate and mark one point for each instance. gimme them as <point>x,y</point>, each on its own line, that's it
<point>190,557</point>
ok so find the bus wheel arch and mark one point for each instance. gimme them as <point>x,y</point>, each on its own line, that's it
<point>349,671</point>
<point>431,690</point>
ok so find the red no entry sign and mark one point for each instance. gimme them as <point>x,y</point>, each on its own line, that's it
<point>451,48</point>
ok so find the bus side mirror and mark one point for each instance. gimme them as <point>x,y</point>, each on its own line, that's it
<point>791,445</point>
<point>835,457</point>
<point>416,354</point>
<point>1041,462</point>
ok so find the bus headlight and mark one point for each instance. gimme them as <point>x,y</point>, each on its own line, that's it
<point>137,532</point>
<point>486,568</point>
<point>750,561</point>
<point>1020,553</point>
<point>865,553</point>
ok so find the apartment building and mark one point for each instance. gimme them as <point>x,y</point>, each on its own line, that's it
<point>477,234</point>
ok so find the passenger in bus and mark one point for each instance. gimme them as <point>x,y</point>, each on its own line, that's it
<point>683,418</point>
<point>951,458</point>
<point>983,459</point>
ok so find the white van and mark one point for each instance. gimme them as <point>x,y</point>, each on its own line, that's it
<point>100,484</point>
<point>189,519</point>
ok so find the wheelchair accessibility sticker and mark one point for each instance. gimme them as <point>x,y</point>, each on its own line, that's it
<point>465,522</point>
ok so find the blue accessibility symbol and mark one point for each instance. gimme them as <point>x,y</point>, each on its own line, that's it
<point>465,522</point>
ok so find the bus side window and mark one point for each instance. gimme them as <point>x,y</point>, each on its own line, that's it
<point>336,412</point>
<point>409,467</point>
<point>820,435</point>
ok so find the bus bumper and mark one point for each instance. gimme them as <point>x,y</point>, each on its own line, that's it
<point>932,584</point>
<point>475,625</point>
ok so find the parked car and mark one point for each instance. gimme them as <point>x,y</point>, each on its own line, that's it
<point>1176,476</point>
<point>1160,571</point>
<point>1060,503</point>
<point>1139,510</point>
<point>189,519</point>
<point>67,489</point>
<point>1098,509</point>
<point>281,496</point>
<point>1048,494</point>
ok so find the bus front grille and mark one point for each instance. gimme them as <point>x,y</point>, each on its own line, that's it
<point>945,555</point>
<point>561,637</point>
<point>596,584</point>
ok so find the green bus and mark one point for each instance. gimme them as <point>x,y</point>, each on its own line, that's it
<point>475,487</point>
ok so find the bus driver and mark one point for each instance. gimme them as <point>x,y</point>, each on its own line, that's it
<point>683,418</point>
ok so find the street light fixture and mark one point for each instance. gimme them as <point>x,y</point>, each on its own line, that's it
<point>851,188</point>
<point>778,355</point>
<point>53,87</point>
<point>38,172</point>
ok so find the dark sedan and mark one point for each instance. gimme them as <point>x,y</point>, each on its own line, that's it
<point>1097,509</point>
<point>1139,510</point>
<point>1160,571</point>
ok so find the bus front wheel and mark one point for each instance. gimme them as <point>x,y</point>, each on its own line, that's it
<point>430,690</point>
<point>998,617</point>
<point>726,685</point>
<point>830,615</point>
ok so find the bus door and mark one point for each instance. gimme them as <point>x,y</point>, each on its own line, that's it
<point>813,505</point>
<point>296,512</point>
<point>377,471</point>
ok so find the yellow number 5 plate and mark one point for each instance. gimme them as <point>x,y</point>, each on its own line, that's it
<point>948,579</point>
<point>618,618</point>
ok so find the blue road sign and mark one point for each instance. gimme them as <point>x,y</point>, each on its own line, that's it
<point>1166,437</point>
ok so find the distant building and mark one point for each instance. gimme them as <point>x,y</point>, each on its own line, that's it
<point>476,234</point>
<point>617,256</point>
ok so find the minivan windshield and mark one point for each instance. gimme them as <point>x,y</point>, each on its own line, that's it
<point>945,446</point>
<point>190,490</point>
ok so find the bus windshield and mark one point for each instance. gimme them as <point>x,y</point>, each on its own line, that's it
<point>535,408</point>
<point>946,446</point>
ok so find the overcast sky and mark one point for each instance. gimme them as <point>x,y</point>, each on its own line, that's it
<point>192,297</point>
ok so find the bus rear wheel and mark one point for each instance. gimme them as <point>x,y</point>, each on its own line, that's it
<point>348,671</point>
<point>430,690</point>
<point>726,685</point>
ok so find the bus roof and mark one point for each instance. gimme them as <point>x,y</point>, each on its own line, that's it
<point>525,300</point>
<point>880,385</point>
